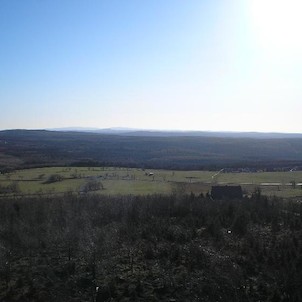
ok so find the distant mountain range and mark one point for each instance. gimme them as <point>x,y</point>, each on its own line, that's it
<point>175,133</point>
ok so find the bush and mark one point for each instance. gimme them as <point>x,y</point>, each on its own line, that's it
<point>54,178</point>
<point>93,185</point>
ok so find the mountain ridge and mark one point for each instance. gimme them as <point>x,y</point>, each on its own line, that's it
<point>179,151</point>
<point>166,133</point>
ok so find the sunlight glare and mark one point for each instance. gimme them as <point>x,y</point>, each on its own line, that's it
<point>276,26</point>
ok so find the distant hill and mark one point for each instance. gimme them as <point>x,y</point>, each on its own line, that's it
<point>166,133</point>
<point>168,150</point>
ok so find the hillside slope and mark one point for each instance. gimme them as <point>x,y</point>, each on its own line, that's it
<point>27,148</point>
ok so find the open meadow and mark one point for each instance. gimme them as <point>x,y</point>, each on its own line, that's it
<point>124,181</point>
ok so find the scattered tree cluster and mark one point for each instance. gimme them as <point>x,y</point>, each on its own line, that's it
<point>53,178</point>
<point>93,185</point>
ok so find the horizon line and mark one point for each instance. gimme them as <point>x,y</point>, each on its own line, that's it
<point>129,129</point>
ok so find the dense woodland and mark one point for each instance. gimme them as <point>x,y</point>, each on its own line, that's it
<point>22,148</point>
<point>154,248</point>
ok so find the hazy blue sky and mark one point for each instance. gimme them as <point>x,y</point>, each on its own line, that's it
<point>161,64</point>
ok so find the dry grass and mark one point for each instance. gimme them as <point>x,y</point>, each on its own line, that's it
<point>142,182</point>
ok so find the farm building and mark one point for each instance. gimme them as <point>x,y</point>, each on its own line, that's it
<point>229,192</point>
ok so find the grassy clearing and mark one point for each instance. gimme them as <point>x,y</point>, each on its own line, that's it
<point>261,177</point>
<point>136,187</point>
<point>141,182</point>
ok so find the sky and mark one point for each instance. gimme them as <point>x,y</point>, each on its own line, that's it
<point>212,65</point>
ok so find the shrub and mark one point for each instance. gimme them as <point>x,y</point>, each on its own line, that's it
<point>54,178</point>
<point>93,185</point>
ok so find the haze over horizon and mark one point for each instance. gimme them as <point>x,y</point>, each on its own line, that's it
<point>160,65</point>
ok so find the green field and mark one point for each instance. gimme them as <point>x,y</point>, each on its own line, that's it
<point>141,182</point>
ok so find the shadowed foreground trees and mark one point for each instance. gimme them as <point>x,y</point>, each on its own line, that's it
<point>154,248</point>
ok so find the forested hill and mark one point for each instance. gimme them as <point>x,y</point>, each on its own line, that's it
<point>28,148</point>
<point>167,133</point>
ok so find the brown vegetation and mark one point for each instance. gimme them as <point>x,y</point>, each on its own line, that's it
<point>155,248</point>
